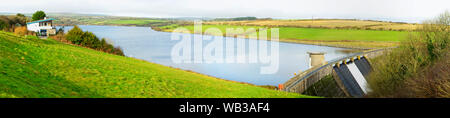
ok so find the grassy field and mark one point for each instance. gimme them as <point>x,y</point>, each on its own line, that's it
<point>323,23</point>
<point>36,68</point>
<point>169,27</point>
<point>222,28</point>
<point>363,34</point>
<point>127,22</point>
<point>79,19</point>
<point>327,37</point>
<point>340,34</point>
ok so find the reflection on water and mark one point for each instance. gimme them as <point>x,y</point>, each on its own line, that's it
<point>144,43</point>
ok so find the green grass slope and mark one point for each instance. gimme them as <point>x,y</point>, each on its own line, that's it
<point>35,68</point>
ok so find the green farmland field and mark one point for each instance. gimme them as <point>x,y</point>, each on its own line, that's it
<point>347,38</point>
<point>341,34</point>
<point>44,68</point>
<point>322,34</point>
<point>222,28</point>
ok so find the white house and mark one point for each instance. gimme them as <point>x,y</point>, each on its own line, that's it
<point>43,27</point>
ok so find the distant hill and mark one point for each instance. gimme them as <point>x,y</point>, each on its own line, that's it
<point>236,19</point>
<point>323,23</point>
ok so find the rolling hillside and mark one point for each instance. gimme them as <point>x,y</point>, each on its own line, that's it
<point>318,34</point>
<point>347,38</point>
<point>324,23</point>
<point>36,68</point>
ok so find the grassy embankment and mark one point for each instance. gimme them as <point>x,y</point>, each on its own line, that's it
<point>336,33</point>
<point>32,67</point>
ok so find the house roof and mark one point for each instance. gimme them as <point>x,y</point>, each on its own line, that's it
<point>49,19</point>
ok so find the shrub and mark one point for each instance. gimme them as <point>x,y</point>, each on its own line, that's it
<point>118,51</point>
<point>103,44</point>
<point>90,40</point>
<point>75,35</point>
<point>433,82</point>
<point>3,25</point>
<point>394,73</point>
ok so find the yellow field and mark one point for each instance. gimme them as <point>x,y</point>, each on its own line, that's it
<point>323,23</point>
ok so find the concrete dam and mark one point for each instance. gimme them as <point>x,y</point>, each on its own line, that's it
<point>343,77</point>
<point>352,75</point>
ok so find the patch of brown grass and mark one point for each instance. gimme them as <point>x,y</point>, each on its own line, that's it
<point>22,31</point>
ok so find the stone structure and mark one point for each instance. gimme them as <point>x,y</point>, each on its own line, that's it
<point>316,59</point>
<point>307,78</point>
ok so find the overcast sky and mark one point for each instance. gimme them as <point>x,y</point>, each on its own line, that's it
<point>233,8</point>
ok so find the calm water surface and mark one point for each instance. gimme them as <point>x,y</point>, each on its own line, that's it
<point>153,46</point>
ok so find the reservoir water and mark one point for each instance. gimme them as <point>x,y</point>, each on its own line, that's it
<point>154,46</point>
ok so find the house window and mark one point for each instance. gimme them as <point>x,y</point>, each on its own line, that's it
<point>47,23</point>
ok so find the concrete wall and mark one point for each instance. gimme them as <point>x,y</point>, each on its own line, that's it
<point>307,78</point>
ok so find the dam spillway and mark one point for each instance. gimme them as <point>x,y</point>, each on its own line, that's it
<point>363,66</point>
<point>352,77</point>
